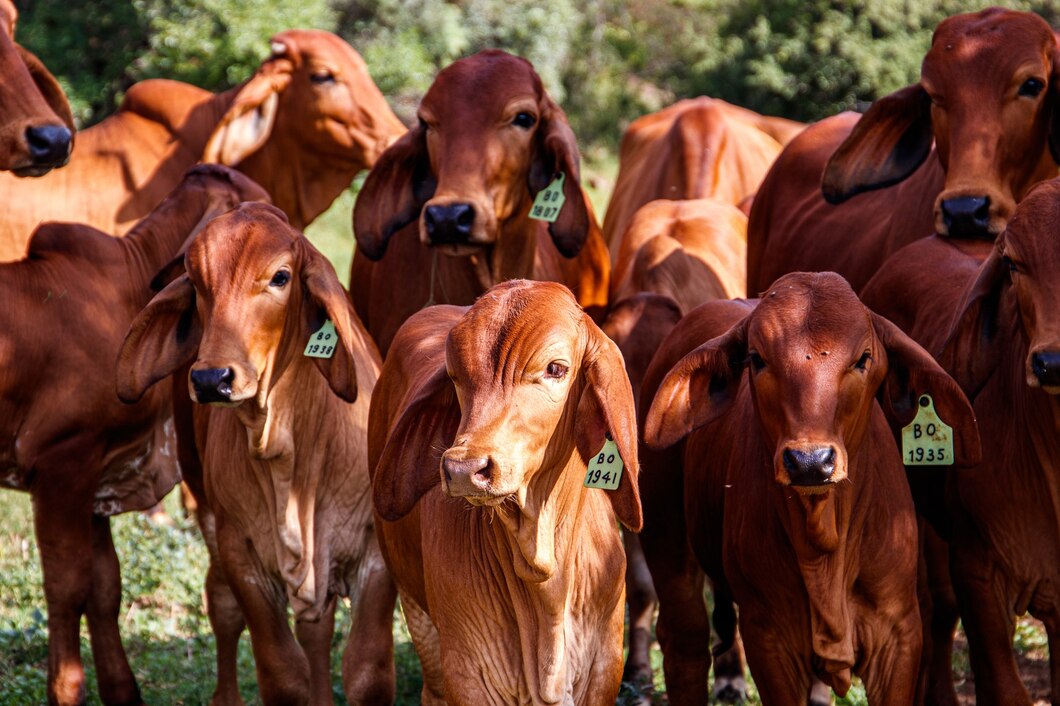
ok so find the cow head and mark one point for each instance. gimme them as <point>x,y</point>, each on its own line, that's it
<point>489,139</point>
<point>817,361</point>
<point>989,97</point>
<point>254,292</point>
<point>36,125</point>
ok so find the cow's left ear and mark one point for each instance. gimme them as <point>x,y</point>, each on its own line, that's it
<point>325,299</point>
<point>48,87</point>
<point>608,408</point>
<point>888,144</point>
<point>557,153</point>
<point>248,123</point>
<point>912,372</point>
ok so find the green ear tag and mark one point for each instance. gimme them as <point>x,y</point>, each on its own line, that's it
<point>549,201</point>
<point>605,469</point>
<point>322,343</point>
<point>927,440</point>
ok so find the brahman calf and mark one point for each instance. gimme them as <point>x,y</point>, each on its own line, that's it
<point>480,431</point>
<point>282,446</point>
<point>794,495</point>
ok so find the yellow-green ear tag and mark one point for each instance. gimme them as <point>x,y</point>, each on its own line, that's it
<point>927,440</point>
<point>605,468</point>
<point>322,343</point>
<point>549,201</point>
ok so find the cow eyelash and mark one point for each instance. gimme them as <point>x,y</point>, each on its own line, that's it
<point>280,279</point>
<point>322,77</point>
<point>556,370</point>
<point>756,360</point>
<point>524,120</point>
<point>863,361</point>
<point>1032,87</point>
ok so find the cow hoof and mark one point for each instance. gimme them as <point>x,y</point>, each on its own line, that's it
<point>729,690</point>
<point>634,694</point>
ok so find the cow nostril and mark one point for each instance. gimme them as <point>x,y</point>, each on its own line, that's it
<point>809,467</point>
<point>213,384</point>
<point>966,216</point>
<point>465,216</point>
<point>48,144</point>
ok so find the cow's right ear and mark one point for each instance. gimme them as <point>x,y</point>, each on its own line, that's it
<point>163,337</point>
<point>394,193</point>
<point>410,464</point>
<point>698,389</point>
<point>889,143</point>
<point>48,87</point>
<point>248,123</point>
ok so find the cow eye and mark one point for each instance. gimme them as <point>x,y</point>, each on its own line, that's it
<point>756,361</point>
<point>280,279</point>
<point>556,370</point>
<point>863,361</point>
<point>1012,265</point>
<point>524,120</point>
<point>1032,87</point>
<point>322,77</point>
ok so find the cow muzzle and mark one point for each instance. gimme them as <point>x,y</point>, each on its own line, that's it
<point>472,479</point>
<point>811,467</point>
<point>1045,371</point>
<point>212,385</point>
<point>449,224</point>
<point>48,147</point>
<point>966,216</point>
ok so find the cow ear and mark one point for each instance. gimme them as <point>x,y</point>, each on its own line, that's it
<point>394,193</point>
<point>162,337</point>
<point>556,153</point>
<point>410,462</point>
<point>972,352</point>
<point>698,389</point>
<point>887,145</point>
<point>324,300</point>
<point>248,123</point>
<point>912,372</point>
<point>608,408</point>
<point>48,87</point>
<point>1054,106</point>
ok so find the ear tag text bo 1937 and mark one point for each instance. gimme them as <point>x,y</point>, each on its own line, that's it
<point>927,440</point>
<point>322,343</point>
<point>549,201</point>
<point>605,468</point>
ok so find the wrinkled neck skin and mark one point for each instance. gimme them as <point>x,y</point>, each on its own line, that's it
<point>514,254</point>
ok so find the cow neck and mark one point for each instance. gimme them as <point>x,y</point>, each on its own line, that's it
<point>513,256</point>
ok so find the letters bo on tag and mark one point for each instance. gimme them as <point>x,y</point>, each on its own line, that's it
<point>927,440</point>
<point>549,201</point>
<point>605,468</point>
<point>322,343</point>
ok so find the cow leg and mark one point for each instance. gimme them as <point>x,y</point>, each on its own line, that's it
<point>938,619</point>
<point>425,638</point>
<point>780,676</point>
<point>641,599</point>
<point>368,675</point>
<point>890,674</point>
<point>315,639</point>
<point>226,620</point>
<point>117,686</point>
<point>730,686</point>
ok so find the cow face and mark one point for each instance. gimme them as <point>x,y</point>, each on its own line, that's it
<point>987,96</point>
<point>489,139</point>
<point>36,131</point>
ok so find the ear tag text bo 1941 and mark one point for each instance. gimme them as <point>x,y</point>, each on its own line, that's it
<point>549,201</point>
<point>605,468</point>
<point>927,440</point>
<point>322,343</point>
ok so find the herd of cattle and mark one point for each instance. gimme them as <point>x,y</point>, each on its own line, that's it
<point>505,379</point>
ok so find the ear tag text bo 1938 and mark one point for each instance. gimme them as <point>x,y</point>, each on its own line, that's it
<point>927,440</point>
<point>605,468</point>
<point>549,201</point>
<point>322,343</point>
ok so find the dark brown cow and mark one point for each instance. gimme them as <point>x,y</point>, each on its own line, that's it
<point>795,500</point>
<point>445,214</point>
<point>286,473</point>
<point>990,314</point>
<point>510,570</point>
<point>303,126</point>
<point>83,455</point>
<point>36,125</point>
<point>988,97</point>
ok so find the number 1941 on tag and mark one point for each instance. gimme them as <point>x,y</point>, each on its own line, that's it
<point>605,468</point>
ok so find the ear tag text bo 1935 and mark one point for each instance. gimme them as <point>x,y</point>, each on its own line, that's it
<point>322,343</point>
<point>605,468</point>
<point>927,440</point>
<point>549,201</point>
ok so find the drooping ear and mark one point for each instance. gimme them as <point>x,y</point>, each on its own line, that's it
<point>409,464</point>
<point>394,193</point>
<point>981,328</point>
<point>556,153</point>
<point>698,389</point>
<point>248,123</point>
<point>48,87</point>
<point>169,272</point>
<point>324,298</point>
<point>887,145</point>
<point>912,372</point>
<point>162,337</point>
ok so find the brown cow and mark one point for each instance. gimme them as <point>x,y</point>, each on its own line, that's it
<point>990,314</point>
<point>303,126</point>
<point>697,148</point>
<point>284,441</point>
<point>36,125</point>
<point>794,495</point>
<point>988,97</point>
<point>445,214</point>
<point>503,404</point>
<point>83,455</point>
